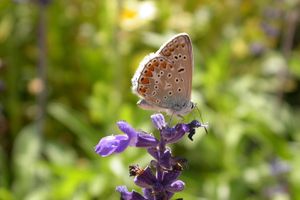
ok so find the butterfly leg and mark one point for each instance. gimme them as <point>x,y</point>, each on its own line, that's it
<point>181,117</point>
<point>171,118</point>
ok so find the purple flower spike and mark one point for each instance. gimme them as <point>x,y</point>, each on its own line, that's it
<point>159,180</point>
<point>126,195</point>
<point>159,121</point>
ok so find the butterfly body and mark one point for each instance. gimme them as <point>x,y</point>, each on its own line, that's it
<point>163,80</point>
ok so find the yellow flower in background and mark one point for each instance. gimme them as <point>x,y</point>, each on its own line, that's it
<point>136,14</point>
<point>239,48</point>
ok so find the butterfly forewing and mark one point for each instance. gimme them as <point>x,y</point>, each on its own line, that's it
<point>179,51</point>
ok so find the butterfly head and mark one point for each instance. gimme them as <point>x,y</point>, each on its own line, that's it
<point>183,109</point>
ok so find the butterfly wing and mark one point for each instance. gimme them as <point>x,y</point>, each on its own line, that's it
<point>179,51</point>
<point>164,79</point>
<point>152,83</point>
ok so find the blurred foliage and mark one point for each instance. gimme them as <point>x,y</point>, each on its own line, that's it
<point>246,84</point>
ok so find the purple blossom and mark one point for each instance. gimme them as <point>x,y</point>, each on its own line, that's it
<point>117,144</point>
<point>257,48</point>
<point>159,180</point>
<point>126,195</point>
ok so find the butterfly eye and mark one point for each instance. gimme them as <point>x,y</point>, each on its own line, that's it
<point>179,89</point>
<point>192,106</point>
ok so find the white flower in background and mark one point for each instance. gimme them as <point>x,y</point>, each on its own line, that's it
<point>136,14</point>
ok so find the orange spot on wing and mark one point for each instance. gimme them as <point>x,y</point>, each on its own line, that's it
<point>163,65</point>
<point>142,90</point>
<point>144,80</point>
<point>147,73</point>
<point>155,63</point>
<point>150,67</point>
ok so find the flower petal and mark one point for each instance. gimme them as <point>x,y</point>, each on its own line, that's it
<point>165,160</point>
<point>145,179</point>
<point>170,176</point>
<point>159,121</point>
<point>175,186</point>
<point>172,135</point>
<point>126,195</point>
<point>109,144</point>
<point>146,140</point>
<point>153,152</point>
<point>148,193</point>
<point>131,132</point>
<point>123,143</point>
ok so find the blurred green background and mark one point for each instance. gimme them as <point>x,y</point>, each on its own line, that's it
<point>65,70</point>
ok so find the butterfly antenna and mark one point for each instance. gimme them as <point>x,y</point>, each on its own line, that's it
<point>202,121</point>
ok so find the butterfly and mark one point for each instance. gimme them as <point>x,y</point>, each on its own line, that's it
<point>163,79</point>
